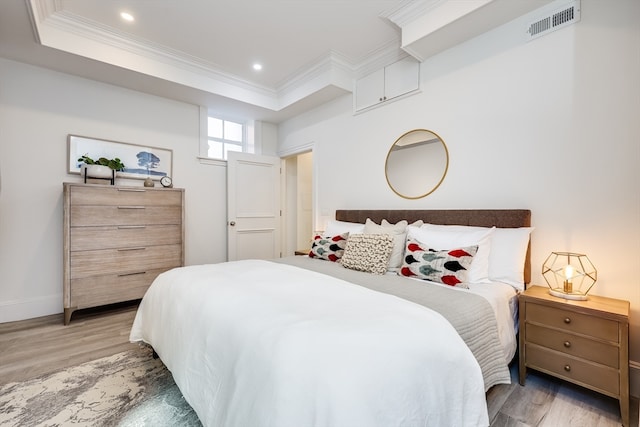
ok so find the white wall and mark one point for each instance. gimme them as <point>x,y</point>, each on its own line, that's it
<point>551,125</point>
<point>38,108</point>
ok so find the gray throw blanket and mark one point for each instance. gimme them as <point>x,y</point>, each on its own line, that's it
<point>471,315</point>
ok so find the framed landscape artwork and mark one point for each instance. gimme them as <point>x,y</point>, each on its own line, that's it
<point>140,161</point>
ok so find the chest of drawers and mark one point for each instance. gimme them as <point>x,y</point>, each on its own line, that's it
<point>584,342</point>
<point>117,240</point>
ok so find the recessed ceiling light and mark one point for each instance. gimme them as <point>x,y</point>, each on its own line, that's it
<point>127,16</point>
<point>257,67</point>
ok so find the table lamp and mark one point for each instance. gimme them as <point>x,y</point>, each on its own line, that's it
<point>569,275</point>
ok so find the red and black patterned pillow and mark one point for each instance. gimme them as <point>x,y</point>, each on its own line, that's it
<point>450,266</point>
<point>330,248</point>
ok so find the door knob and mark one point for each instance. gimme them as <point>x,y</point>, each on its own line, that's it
<point>232,223</point>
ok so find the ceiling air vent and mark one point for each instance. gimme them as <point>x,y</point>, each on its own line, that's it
<point>560,18</point>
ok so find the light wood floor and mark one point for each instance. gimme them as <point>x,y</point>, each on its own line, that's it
<point>31,348</point>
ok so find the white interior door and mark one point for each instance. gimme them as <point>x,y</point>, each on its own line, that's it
<point>253,206</point>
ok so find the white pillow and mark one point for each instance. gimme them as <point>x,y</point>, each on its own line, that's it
<point>441,237</point>
<point>399,233</point>
<point>340,227</point>
<point>508,252</point>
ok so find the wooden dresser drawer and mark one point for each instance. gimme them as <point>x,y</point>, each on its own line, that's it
<point>88,215</point>
<point>124,261</point>
<point>593,375</point>
<point>123,236</point>
<point>574,322</point>
<point>575,345</point>
<point>111,288</point>
<point>103,195</point>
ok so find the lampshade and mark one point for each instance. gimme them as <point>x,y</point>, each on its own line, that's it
<point>569,275</point>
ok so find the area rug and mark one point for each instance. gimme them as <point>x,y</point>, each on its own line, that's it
<point>127,389</point>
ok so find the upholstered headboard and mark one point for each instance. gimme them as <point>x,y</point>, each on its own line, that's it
<point>502,218</point>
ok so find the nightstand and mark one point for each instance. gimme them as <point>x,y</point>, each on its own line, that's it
<point>302,251</point>
<point>584,342</point>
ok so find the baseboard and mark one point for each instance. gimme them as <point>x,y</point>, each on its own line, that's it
<point>29,308</point>
<point>634,379</point>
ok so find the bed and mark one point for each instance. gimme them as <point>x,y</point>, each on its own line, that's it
<point>302,341</point>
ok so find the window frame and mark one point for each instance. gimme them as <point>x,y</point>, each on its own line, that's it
<point>247,144</point>
<point>224,141</point>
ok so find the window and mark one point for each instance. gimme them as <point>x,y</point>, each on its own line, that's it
<point>224,136</point>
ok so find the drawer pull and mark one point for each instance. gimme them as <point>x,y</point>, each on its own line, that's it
<point>131,207</point>
<point>141,248</point>
<point>130,227</point>
<point>131,190</point>
<point>132,274</point>
<point>567,368</point>
<point>567,320</point>
<point>567,344</point>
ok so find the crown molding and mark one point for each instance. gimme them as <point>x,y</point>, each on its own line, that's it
<point>332,69</point>
<point>326,63</point>
<point>57,28</point>
<point>431,26</point>
<point>408,11</point>
<point>380,58</point>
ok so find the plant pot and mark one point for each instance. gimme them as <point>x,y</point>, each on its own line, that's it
<point>97,171</point>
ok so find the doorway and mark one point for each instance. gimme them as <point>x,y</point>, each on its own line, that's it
<point>299,203</point>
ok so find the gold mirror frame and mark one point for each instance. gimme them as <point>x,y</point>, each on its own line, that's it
<point>410,156</point>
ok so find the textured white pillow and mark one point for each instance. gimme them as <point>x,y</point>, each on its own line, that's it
<point>399,233</point>
<point>340,227</point>
<point>368,252</point>
<point>508,251</point>
<point>441,237</point>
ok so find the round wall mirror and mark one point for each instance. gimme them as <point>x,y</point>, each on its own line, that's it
<point>416,164</point>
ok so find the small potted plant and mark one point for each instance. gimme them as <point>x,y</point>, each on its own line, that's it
<point>101,168</point>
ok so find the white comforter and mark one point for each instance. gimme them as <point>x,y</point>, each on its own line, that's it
<point>255,343</point>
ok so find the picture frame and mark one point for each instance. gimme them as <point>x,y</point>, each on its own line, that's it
<point>140,161</point>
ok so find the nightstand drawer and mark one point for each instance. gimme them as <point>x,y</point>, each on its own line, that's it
<point>574,322</point>
<point>575,345</point>
<point>593,375</point>
<point>585,342</point>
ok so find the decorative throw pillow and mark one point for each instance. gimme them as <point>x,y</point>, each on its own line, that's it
<point>399,233</point>
<point>450,266</point>
<point>368,252</point>
<point>330,248</point>
<point>507,253</point>
<point>451,236</point>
